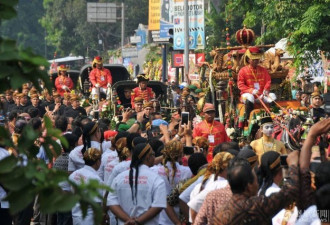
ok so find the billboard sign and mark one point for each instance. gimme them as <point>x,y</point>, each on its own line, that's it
<point>154,15</point>
<point>196,24</point>
<point>101,12</point>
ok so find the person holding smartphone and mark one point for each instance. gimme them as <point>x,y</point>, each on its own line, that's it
<point>213,130</point>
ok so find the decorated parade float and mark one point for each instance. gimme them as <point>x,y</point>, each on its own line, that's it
<point>221,88</point>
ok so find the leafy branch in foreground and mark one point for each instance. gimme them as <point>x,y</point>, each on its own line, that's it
<point>24,176</point>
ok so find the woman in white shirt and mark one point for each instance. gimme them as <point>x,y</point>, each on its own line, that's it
<point>138,201</point>
<point>270,175</point>
<point>91,139</point>
<point>215,178</point>
<point>92,158</point>
<point>171,172</point>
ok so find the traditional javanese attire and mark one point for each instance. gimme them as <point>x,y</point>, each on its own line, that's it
<point>102,77</point>
<point>63,81</point>
<point>214,132</point>
<point>248,77</point>
<point>146,94</point>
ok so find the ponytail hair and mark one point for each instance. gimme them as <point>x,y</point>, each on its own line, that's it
<point>269,167</point>
<point>88,130</point>
<point>171,153</point>
<point>139,154</point>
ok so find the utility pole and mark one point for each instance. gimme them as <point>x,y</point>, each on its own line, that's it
<point>122,24</point>
<point>186,42</point>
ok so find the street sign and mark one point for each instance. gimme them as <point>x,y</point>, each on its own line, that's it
<point>135,39</point>
<point>130,52</point>
<point>101,12</point>
<point>164,29</point>
<point>156,37</point>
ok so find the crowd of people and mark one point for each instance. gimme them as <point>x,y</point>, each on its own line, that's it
<point>176,171</point>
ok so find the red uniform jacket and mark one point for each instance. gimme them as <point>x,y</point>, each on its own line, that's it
<point>102,77</point>
<point>146,94</point>
<point>204,129</point>
<point>247,77</point>
<point>60,81</point>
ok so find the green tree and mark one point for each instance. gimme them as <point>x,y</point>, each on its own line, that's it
<point>26,29</point>
<point>68,29</point>
<point>305,23</point>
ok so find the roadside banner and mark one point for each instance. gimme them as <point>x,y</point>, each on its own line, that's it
<point>196,24</point>
<point>154,15</point>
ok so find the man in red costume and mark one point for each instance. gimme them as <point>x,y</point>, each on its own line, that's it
<point>63,83</point>
<point>254,81</point>
<point>213,130</point>
<point>100,77</point>
<point>142,90</point>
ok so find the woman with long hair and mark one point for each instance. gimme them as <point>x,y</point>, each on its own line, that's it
<point>171,172</point>
<point>139,194</point>
<point>215,177</point>
<point>124,147</point>
<point>92,158</point>
<point>270,177</point>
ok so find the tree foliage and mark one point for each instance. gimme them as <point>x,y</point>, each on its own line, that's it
<point>25,28</point>
<point>68,29</point>
<point>305,23</point>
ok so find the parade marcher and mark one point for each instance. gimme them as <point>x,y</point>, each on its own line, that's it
<point>63,83</point>
<point>270,173</point>
<point>92,161</point>
<point>48,99</point>
<point>254,81</point>
<point>139,194</point>
<point>147,110</point>
<point>245,207</point>
<point>75,109</point>
<point>35,104</point>
<point>215,177</point>
<point>124,149</point>
<point>10,100</point>
<point>213,130</point>
<point>66,102</point>
<point>100,77</point>
<point>91,139</point>
<point>315,108</point>
<point>126,101</point>
<point>142,90</point>
<point>55,107</point>
<point>138,103</point>
<point>267,142</point>
<point>21,103</point>
<point>171,172</point>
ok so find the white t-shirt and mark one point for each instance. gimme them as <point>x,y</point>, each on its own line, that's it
<point>76,160</point>
<point>106,145</point>
<point>277,219</point>
<point>309,217</point>
<point>86,174</point>
<point>4,204</point>
<point>185,195</point>
<point>197,197</point>
<point>121,167</point>
<point>107,157</point>
<point>182,173</point>
<point>151,192</point>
